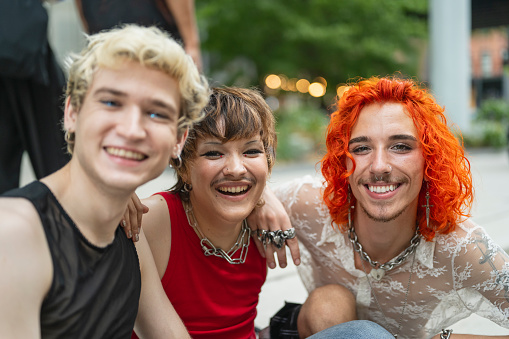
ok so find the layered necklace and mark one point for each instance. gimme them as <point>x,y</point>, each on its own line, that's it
<point>208,247</point>
<point>378,270</point>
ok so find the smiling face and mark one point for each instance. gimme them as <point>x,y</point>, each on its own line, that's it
<point>126,129</point>
<point>389,163</point>
<point>227,178</point>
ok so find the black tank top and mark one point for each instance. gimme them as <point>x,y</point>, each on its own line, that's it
<point>95,291</point>
<point>106,14</point>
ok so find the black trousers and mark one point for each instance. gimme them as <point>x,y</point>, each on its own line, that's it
<point>30,120</point>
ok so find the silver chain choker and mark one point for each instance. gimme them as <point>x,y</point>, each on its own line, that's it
<point>208,247</point>
<point>378,270</point>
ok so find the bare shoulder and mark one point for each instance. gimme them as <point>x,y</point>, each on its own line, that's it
<point>21,231</point>
<point>18,217</point>
<point>158,217</point>
<point>157,230</point>
<point>25,263</point>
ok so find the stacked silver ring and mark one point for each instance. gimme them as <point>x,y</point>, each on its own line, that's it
<point>277,238</point>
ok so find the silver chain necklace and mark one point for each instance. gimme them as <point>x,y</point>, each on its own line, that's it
<point>378,270</point>
<point>208,247</point>
<point>406,297</point>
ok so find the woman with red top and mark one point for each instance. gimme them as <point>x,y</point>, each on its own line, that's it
<point>209,265</point>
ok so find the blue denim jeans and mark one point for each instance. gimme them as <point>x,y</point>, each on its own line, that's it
<point>356,329</point>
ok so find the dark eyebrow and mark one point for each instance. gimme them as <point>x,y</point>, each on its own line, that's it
<point>358,139</point>
<point>402,137</point>
<point>392,138</point>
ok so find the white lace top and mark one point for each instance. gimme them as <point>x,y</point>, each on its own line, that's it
<point>455,275</point>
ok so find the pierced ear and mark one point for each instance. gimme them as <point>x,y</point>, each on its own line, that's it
<point>176,151</point>
<point>181,141</point>
<point>70,116</point>
<point>184,136</point>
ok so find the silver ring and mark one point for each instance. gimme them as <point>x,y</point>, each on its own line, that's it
<point>289,233</point>
<point>124,224</point>
<point>278,238</point>
<point>262,236</point>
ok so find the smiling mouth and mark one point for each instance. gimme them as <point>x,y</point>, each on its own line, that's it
<point>382,189</point>
<point>122,153</point>
<point>238,190</point>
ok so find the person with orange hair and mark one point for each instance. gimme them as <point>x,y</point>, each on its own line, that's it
<point>389,221</point>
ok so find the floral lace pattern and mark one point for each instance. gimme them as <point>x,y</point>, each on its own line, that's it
<point>455,275</point>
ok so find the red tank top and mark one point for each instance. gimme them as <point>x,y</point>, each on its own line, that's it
<point>214,299</point>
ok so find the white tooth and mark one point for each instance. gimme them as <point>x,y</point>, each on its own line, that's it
<point>391,188</point>
<point>370,188</point>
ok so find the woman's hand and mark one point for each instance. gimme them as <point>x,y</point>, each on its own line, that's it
<point>272,217</point>
<point>132,217</point>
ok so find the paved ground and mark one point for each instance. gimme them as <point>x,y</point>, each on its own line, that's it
<point>491,180</point>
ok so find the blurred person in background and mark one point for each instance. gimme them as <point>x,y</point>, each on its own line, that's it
<point>31,94</point>
<point>177,17</point>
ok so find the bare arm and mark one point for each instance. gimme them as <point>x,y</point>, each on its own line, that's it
<point>184,13</point>
<point>79,7</point>
<point>156,316</point>
<point>25,263</point>
<point>153,214</point>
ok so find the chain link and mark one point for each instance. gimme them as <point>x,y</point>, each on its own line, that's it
<point>390,264</point>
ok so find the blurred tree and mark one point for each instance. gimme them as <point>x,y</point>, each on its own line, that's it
<point>335,39</point>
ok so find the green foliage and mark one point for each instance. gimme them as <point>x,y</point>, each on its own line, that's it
<point>492,125</point>
<point>496,110</point>
<point>486,134</point>
<point>301,133</point>
<point>335,39</point>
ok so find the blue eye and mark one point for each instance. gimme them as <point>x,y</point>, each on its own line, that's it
<point>109,103</point>
<point>155,115</point>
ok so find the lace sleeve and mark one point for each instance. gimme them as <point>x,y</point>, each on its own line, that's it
<point>481,274</point>
<point>302,199</point>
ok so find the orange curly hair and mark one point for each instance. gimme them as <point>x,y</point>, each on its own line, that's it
<point>446,169</point>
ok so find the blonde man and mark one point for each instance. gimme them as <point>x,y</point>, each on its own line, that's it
<point>68,271</point>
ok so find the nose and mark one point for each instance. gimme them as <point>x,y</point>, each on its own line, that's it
<point>380,164</point>
<point>234,166</point>
<point>131,125</point>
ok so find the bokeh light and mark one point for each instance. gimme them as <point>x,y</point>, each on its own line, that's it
<point>273,81</point>
<point>316,89</point>
<point>302,85</point>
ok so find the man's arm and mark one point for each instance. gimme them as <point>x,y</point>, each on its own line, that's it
<point>79,8</point>
<point>184,14</point>
<point>26,269</point>
<point>156,316</point>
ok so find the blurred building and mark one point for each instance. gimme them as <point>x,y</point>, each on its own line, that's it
<point>489,55</point>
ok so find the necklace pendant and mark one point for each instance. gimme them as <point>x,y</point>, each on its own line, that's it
<point>377,273</point>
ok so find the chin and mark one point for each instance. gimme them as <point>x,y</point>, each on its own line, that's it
<point>382,216</point>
